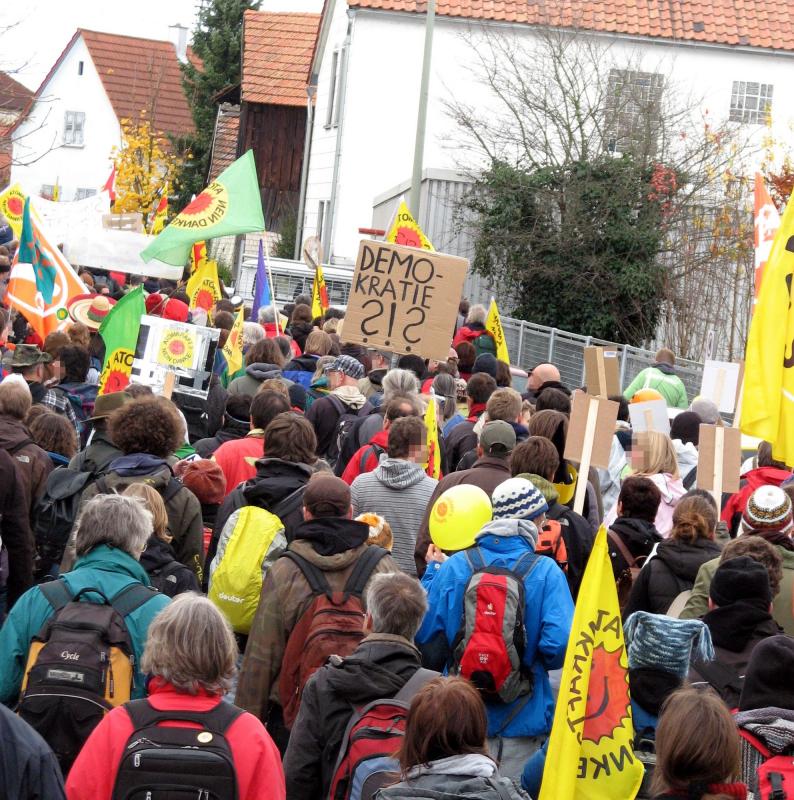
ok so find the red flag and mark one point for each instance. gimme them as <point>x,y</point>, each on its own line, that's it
<point>110,185</point>
<point>767,221</point>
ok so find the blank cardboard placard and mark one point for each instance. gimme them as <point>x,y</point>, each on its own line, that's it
<point>721,384</point>
<point>602,371</point>
<point>719,459</point>
<point>404,299</point>
<point>649,416</point>
<point>601,431</point>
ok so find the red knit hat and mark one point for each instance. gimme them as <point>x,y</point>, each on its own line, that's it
<point>204,478</point>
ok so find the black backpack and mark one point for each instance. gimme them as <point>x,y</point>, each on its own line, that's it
<point>80,665</point>
<point>166,578</point>
<point>169,763</point>
<point>345,425</point>
<point>54,515</point>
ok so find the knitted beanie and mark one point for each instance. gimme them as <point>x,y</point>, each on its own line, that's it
<point>741,579</point>
<point>380,533</point>
<point>517,498</point>
<point>767,681</point>
<point>204,478</point>
<point>659,642</point>
<point>768,511</point>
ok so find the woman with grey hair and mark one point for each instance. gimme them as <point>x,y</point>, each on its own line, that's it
<point>401,382</point>
<point>112,532</point>
<point>190,660</point>
<point>252,333</point>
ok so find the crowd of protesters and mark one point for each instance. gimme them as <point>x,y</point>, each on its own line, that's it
<point>268,567</point>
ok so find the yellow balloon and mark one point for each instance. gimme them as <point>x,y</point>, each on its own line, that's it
<point>458,516</point>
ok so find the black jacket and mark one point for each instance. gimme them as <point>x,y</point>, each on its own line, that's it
<point>461,439</point>
<point>15,528</point>
<point>274,481</point>
<point>671,571</point>
<point>639,537</point>
<point>467,462</point>
<point>169,575</point>
<point>578,537</point>
<point>300,331</point>
<point>379,668</point>
<point>28,768</point>
<point>232,429</point>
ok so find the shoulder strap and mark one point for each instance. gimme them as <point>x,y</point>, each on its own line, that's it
<point>131,598</point>
<point>415,683</point>
<point>102,485</point>
<point>720,676</point>
<point>172,488</point>
<point>288,504</point>
<point>373,449</point>
<point>366,563</point>
<point>475,559</point>
<point>365,410</point>
<point>19,445</point>
<point>630,560</point>
<point>56,593</point>
<point>314,576</point>
<point>525,565</point>
<point>337,404</point>
<point>217,719</point>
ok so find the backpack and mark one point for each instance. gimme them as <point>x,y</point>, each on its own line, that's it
<point>250,542</point>
<point>625,580</point>
<point>484,343</point>
<point>165,578</point>
<point>170,491</point>
<point>344,426</point>
<point>332,624</point>
<point>373,450</point>
<point>724,679</point>
<point>80,665</point>
<point>645,754</point>
<point>775,774</point>
<point>54,515</point>
<point>550,543</point>
<point>489,648</point>
<point>366,759</point>
<point>161,762</point>
<point>196,414</point>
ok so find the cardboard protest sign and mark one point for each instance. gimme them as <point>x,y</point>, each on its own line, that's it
<point>721,380</point>
<point>589,439</point>
<point>602,371</point>
<point>404,299</point>
<point>166,347</point>
<point>719,459</point>
<point>649,416</point>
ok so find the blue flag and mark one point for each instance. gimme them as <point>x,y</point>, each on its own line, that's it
<point>262,296</point>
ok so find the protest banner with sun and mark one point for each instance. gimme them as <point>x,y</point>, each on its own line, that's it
<point>405,230</point>
<point>12,205</point>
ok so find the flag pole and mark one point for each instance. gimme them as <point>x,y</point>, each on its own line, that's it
<point>272,285</point>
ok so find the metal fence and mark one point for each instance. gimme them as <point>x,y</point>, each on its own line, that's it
<point>530,344</point>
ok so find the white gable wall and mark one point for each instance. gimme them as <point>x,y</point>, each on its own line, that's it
<point>38,142</point>
<point>381,102</point>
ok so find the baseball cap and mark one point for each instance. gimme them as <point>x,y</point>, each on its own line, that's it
<point>497,438</point>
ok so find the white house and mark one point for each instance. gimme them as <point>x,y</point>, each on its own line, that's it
<point>67,136</point>
<point>737,56</point>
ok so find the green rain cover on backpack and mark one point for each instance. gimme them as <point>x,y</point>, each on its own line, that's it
<point>250,542</point>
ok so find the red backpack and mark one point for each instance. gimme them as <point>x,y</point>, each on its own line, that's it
<point>489,648</point>
<point>775,774</point>
<point>333,624</point>
<point>551,543</point>
<point>366,760</point>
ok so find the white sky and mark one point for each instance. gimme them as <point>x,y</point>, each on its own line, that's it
<point>34,32</point>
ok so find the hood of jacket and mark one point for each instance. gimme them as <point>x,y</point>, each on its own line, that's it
<point>379,667</point>
<point>503,528</point>
<point>137,464</point>
<point>684,559</point>
<point>304,363</point>
<point>638,535</point>
<point>762,476</point>
<point>399,474</point>
<point>263,372</point>
<point>111,559</point>
<point>12,432</point>
<point>671,488</point>
<point>274,480</point>
<point>686,455</point>
<point>546,488</point>
<point>157,554</point>
<point>665,368</point>
<point>330,536</point>
<point>733,626</point>
<point>351,396</point>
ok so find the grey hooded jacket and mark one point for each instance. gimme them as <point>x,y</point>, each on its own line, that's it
<point>399,491</point>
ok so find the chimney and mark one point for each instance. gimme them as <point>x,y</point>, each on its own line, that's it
<point>179,40</point>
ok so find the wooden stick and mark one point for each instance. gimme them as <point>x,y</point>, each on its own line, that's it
<point>649,420</point>
<point>587,454</point>
<point>737,411</point>
<point>602,372</point>
<point>170,382</point>
<point>719,386</point>
<point>719,451</point>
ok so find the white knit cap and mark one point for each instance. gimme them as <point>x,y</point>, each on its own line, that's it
<point>518,498</point>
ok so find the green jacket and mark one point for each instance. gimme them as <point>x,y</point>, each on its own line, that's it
<point>698,603</point>
<point>105,568</point>
<point>662,378</point>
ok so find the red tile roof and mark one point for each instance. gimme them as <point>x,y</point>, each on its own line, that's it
<point>277,55</point>
<point>224,144</point>
<point>13,95</point>
<point>141,74</point>
<point>752,23</point>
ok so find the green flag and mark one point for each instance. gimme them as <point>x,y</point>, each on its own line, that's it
<point>119,331</point>
<point>231,204</point>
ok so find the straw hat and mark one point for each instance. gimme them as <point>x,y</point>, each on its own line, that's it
<point>90,309</point>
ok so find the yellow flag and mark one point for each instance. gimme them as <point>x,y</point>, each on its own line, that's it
<point>12,204</point>
<point>405,230</point>
<point>493,324</point>
<point>233,349</point>
<point>433,466</point>
<point>768,404</point>
<point>319,293</point>
<point>590,755</point>
<point>203,287</point>
<point>160,213</point>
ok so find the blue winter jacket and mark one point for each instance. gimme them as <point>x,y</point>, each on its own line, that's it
<point>105,568</point>
<point>547,616</point>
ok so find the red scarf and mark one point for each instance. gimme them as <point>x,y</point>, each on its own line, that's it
<point>475,412</point>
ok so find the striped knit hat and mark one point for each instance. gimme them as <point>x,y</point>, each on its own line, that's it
<point>666,643</point>
<point>768,511</point>
<point>517,498</point>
